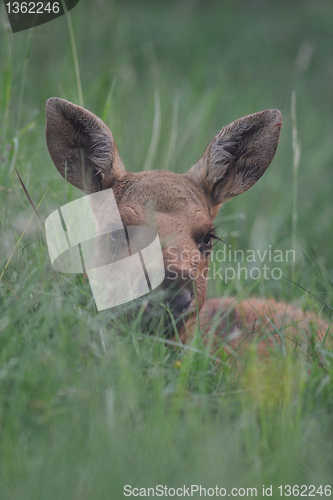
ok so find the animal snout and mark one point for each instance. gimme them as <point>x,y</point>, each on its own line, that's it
<point>178,295</point>
<point>182,301</point>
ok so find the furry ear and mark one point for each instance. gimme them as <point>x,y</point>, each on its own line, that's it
<point>238,156</point>
<point>81,146</point>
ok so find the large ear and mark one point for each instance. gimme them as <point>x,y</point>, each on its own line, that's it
<point>81,146</point>
<point>238,156</point>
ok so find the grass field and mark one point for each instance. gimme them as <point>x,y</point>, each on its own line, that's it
<point>88,406</point>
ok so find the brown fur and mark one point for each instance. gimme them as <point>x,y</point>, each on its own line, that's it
<point>182,207</point>
<point>265,321</point>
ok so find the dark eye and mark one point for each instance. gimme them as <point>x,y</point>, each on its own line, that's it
<point>115,235</point>
<point>118,239</point>
<point>206,244</point>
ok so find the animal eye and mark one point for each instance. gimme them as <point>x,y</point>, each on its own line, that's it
<point>114,235</point>
<point>206,244</point>
<point>118,239</point>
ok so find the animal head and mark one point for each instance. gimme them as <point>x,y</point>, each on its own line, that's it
<point>181,207</point>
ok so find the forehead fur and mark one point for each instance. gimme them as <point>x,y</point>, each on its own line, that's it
<point>164,191</point>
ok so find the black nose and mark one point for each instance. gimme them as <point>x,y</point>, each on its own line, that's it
<point>181,302</point>
<point>178,300</point>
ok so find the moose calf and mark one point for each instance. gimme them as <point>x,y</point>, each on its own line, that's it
<point>182,209</point>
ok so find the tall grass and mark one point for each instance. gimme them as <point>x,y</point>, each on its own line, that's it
<point>296,160</point>
<point>89,403</point>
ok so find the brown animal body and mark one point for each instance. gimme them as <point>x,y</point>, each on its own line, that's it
<point>182,208</point>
